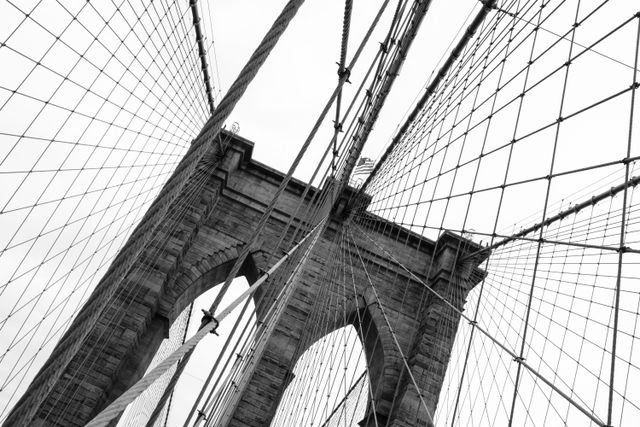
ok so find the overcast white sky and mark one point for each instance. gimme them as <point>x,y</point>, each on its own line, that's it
<point>284,100</point>
<point>276,112</point>
<point>282,103</point>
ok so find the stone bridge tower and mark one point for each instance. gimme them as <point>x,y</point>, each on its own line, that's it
<point>203,246</point>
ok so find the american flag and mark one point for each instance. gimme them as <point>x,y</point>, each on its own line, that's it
<point>363,168</point>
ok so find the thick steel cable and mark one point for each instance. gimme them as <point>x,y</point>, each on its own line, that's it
<point>344,44</point>
<point>248,247</point>
<point>404,44</point>
<point>129,296</point>
<point>72,341</point>
<point>418,13</point>
<point>550,74</point>
<point>289,288</point>
<point>185,360</point>
<point>471,30</point>
<point>283,185</point>
<point>416,249</point>
<point>118,405</point>
<point>202,52</point>
<point>309,215</point>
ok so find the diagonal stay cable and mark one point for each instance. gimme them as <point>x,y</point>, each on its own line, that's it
<point>521,362</point>
<point>118,405</point>
<point>141,236</point>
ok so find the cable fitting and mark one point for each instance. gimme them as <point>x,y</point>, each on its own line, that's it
<point>208,318</point>
<point>473,323</point>
<point>344,73</point>
<point>518,359</point>
<point>623,249</point>
<point>202,415</point>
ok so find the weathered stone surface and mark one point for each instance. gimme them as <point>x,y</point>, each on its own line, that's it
<point>195,250</point>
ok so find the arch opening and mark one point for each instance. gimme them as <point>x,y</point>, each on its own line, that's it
<point>330,383</point>
<point>184,322</point>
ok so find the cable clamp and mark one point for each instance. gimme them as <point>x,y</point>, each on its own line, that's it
<point>473,323</point>
<point>345,73</point>
<point>202,415</point>
<point>623,249</point>
<point>518,359</point>
<point>208,318</point>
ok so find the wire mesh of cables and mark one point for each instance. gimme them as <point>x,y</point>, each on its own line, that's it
<point>537,115</point>
<point>346,411</point>
<point>100,103</point>
<point>540,104</point>
<point>126,299</point>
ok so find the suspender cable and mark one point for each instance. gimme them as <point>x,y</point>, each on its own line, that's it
<point>343,76</point>
<point>337,125</point>
<point>283,185</point>
<point>202,52</point>
<point>419,12</point>
<point>487,6</point>
<point>71,342</point>
<point>118,405</point>
<point>521,362</point>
